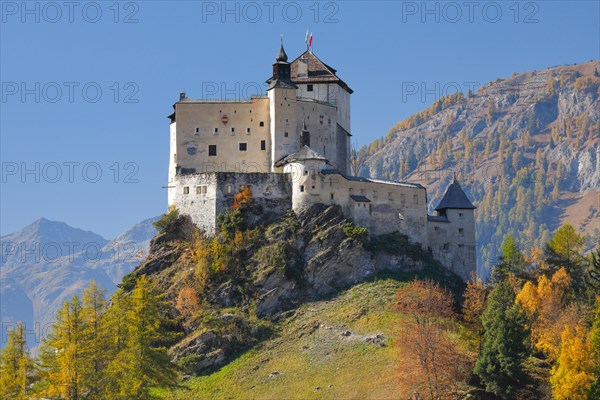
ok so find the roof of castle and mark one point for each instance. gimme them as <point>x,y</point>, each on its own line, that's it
<point>318,71</point>
<point>437,218</point>
<point>305,153</point>
<point>360,199</point>
<point>334,171</point>
<point>455,198</point>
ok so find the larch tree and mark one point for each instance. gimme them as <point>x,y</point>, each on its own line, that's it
<point>94,352</point>
<point>572,376</point>
<point>15,366</point>
<point>143,360</point>
<point>61,363</point>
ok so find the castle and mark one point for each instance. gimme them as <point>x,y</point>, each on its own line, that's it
<point>292,149</point>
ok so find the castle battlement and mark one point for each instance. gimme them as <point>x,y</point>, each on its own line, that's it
<point>292,149</point>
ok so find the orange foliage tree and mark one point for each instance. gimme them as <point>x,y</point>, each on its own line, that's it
<point>188,303</point>
<point>431,360</point>
<point>243,198</point>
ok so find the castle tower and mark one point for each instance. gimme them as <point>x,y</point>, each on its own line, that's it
<point>282,105</point>
<point>457,215</point>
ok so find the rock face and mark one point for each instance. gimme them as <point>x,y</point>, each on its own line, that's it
<point>512,144</point>
<point>297,259</point>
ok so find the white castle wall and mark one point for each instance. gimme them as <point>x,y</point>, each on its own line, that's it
<point>203,196</point>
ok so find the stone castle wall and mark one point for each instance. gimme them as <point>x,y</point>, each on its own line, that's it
<point>203,196</point>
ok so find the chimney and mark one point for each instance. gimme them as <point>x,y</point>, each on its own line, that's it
<point>181,95</point>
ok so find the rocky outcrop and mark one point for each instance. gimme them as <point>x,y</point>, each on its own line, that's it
<point>317,260</point>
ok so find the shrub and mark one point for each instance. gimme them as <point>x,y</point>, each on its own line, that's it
<point>167,219</point>
<point>230,222</point>
<point>355,232</point>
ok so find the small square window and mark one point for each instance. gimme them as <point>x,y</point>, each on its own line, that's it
<point>305,172</point>
<point>461,232</point>
<point>212,150</point>
<point>302,188</point>
<point>243,146</point>
<point>198,189</point>
<point>286,134</point>
<point>309,88</point>
<point>198,130</point>
<point>232,130</point>
<point>461,215</point>
<point>247,130</point>
<point>216,130</point>
<point>186,190</point>
<point>263,144</point>
<point>261,123</point>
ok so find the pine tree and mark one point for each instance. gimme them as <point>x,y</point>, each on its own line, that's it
<point>15,366</point>
<point>511,261</point>
<point>564,250</point>
<point>505,343</point>
<point>142,360</point>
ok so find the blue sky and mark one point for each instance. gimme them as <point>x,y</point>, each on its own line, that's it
<point>86,87</point>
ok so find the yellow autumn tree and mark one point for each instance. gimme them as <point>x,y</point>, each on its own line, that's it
<point>572,376</point>
<point>548,310</point>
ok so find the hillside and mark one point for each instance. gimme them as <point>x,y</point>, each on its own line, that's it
<point>320,352</point>
<point>48,262</point>
<point>526,149</point>
<point>230,290</point>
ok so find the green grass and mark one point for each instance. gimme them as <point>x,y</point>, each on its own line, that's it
<point>310,358</point>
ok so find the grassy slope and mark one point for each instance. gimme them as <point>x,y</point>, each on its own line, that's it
<point>309,351</point>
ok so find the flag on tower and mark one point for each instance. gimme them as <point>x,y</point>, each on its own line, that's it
<point>306,38</point>
<point>310,41</point>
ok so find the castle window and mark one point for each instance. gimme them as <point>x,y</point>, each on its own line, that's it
<point>261,123</point>
<point>186,190</point>
<point>330,196</point>
<point>229,189</point>
<point>197,131</point>
<point>216,131</point>
<point>263,144</point>
<point>302,188</point>
<point>461,232</point>
<point>243,146</point>
<point>446,246</point>
<point>286,134</point>
<point>309,88</point>
<point>305,172</point>
<point>436,228</point>
<point>247,130</point>
<point>232,130</point>
<point>200,189</point>
<point>212,150</point>
<point>461,215</point>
